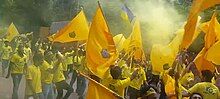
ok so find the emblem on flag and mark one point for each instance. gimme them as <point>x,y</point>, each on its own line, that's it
<point>72,34</point>
<point>105,53</point>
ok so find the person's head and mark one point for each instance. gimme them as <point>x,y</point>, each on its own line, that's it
<point>196,96</point>
<point>20,48</point>
<point>155,78</point>
<point>207,75</point>
<point>166,66</point>
<point>38,59</point>
<point>115,72</point>
<point>6,43</point>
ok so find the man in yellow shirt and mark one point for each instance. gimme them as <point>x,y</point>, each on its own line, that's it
<point>33,78</point>
<point>59,79</point>
<point>6,53</point>
<point>47,76</point>
<point>118,85</point>
<point>140,79</point>
<point>16,69</point>
<point>205,88</point>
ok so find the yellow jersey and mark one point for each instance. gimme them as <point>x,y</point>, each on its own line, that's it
<point>139,79</point>
<point>6,51</point>
<point>18,64</point>
<point>118,86</point>
<point>58,74</point>
<point>34,74</point>
<point>46,76</point>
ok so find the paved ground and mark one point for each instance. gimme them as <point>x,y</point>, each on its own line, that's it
<point>6,88</point>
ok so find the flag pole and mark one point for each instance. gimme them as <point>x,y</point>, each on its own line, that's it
<point>103,15</point>
<point>90,79</point>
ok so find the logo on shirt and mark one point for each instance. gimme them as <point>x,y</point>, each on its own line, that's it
<point>210,90</point>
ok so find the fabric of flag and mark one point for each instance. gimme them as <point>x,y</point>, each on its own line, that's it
<point>190,27</point>
<point>100,47</point>
<point>119,41</point>
<point>210,38</point>
<point>98,91</point>
<point>76,30</point>
<point>127,13</point>
<point>213,54</point>
<point>135,47</point>
<point>165,54</point>
<point>12,32</point>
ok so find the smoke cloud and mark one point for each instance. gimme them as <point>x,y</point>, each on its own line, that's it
<point>159,20</point>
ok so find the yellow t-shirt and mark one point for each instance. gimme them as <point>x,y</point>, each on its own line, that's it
<point>58,74</point>
<point>69,59</point>
<point>126,71</point>
<point>186,78</point>
<point>19,63</point>
<point>34,74</point>
<point>139,79</point>
<point>121,63</point>
<point>46,77</point>
<point>82,66</point>
<point>6,52</point>
<point>118,86</point>
<point>206,89</point>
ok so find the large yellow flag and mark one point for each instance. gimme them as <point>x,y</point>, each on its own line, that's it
<point>190,27</point>
<point>165,54</point>
<point>76,30</point>
<point>210,38</point>
<point>213,53</point>
<point>100,48</point>
<point>12,32</point>
<point>134,45</point>
<point>119,41</point>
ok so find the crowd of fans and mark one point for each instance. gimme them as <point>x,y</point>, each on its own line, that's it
<point>49,70</point>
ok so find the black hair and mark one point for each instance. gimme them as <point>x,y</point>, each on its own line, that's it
<point>115,72</point>
<point>166,66</point>
<point>207,74</point>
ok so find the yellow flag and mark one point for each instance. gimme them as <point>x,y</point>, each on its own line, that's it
<point>134,43</point>
<point>202,63</point>
<point>190,27</point>
<point>76,30</point>
<point>210,39</point>
<point>12,32</point>
<point>159,56</point>
<point>98,91</point>
<point>100,48</point>
<point>165,54</point>
<point>119,41</point>
<point>213,53</point>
